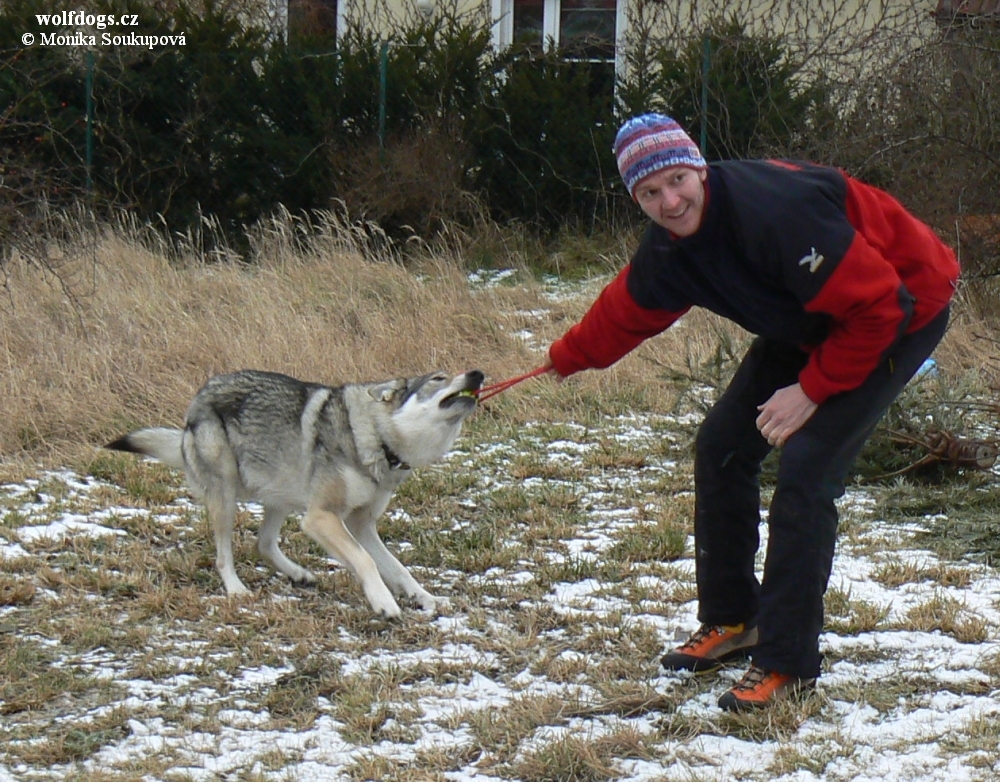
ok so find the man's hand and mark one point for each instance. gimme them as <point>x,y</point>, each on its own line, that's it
<point>551,370</point>
<point>784,414</point>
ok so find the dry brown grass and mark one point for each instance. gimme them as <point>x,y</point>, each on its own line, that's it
<point>568,569</point>
<point>142,331</point>
<point>128,331</point>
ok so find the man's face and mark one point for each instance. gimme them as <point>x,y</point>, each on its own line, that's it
<point>674,198</point>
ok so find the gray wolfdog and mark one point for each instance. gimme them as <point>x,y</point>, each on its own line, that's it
<point>336,454</point>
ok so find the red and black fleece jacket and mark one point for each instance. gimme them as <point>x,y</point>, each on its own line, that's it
<point>792,251</point>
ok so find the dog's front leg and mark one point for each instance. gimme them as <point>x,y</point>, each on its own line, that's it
<point>393,572</point>
<point>327,529</point>
<point>267,546</point>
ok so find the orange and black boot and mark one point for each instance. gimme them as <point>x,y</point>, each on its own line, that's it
<point>760,688</point>
<point>711,646</point>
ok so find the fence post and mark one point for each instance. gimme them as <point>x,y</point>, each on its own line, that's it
<point>90,120</point>
<point>706,60</point>
<point>383,67</point>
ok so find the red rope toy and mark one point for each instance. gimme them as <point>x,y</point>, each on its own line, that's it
<point>486,392</point>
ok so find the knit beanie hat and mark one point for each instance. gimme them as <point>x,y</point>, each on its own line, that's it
<point>650,142</point>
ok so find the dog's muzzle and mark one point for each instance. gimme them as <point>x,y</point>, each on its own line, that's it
<point>468,392</point>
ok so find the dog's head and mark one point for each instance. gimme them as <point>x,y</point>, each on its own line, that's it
<point>427,412</point>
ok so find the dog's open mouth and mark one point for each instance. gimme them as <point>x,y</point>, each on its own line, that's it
<point>473,381</point>
<point>461,396</point>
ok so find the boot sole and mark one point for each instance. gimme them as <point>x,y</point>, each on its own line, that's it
<point>729,702</point>
<point>703,665</point>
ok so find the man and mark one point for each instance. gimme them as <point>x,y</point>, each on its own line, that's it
<point>847,293</point>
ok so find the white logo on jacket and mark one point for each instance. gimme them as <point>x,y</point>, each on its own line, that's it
<point>814,259</point>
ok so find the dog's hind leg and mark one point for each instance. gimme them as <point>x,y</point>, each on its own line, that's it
<point>393,572</point>
<point>221,504</point>
<point>214,477</point>
<point>267,547</point>
<point>327,529</point>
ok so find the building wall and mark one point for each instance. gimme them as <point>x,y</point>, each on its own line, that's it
<point>791,15</point>
<point>838,35</point>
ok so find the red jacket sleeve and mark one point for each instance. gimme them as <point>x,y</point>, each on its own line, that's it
<point>612,327</point>
<point>925,264</point>
<point>895,277</point>
<point>869,307</point>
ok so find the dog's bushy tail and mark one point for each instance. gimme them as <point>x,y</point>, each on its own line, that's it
<point>160,443</point>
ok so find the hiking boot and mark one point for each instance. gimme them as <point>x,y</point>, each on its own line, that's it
<point>711,646</point>
<point>759,688</point>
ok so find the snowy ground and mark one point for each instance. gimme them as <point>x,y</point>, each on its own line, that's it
<point>545,667</point>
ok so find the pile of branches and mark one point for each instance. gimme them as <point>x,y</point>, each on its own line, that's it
<point>933,432</point>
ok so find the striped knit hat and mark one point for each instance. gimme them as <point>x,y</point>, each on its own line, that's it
<point>650,142</point>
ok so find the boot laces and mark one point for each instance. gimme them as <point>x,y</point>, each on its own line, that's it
<point>752,679</point>
<point>700,635</point>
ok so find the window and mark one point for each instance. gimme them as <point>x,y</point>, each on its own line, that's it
<point>312,19</point>
<point>587,28</point>
<point>582,29</point>
<point>528,21</point>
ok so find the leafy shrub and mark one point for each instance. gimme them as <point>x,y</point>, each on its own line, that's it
<point>42,106</point>
<point>758,103</point>
<point>543,142</point>
<point>237,124</point>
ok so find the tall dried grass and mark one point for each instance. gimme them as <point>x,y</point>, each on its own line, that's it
<point>126,332</point>
<point>129,329</point>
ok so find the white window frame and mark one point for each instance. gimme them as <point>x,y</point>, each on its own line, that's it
<point>502,14</point>
<point>550,21</point>
<point>503,26</point>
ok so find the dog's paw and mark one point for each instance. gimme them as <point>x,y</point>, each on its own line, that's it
<point>303,579</point>
<point>432,605</point>
<point>237,590</point>
<point>393,612</point>
<point>383,604</point>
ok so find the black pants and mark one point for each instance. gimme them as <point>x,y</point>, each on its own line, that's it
<point>787,604</point>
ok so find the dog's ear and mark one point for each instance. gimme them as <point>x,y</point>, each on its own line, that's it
<point>384,392</point>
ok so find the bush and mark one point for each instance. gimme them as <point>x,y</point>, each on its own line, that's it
<point>927,131</point>
<point>235,125</point>
<point>412,179</point>
<point>42,126</point>
<point>543,143</point>
<point>184,130</point>
<point>758,103</point>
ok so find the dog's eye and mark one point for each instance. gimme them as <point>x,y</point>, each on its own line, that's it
<point>440,378</point>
